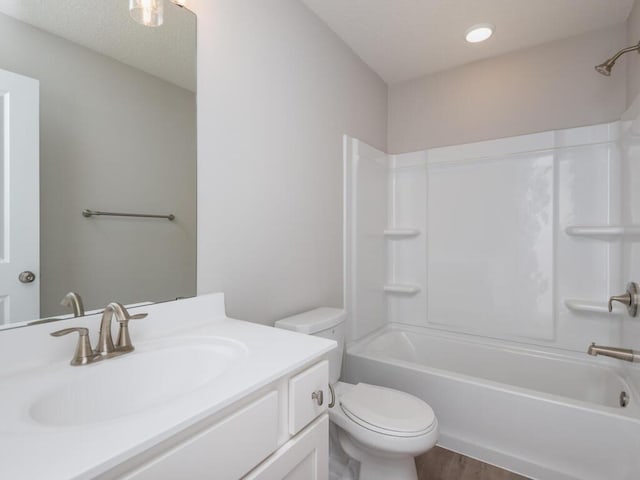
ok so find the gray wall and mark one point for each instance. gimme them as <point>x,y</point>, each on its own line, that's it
<point>632,60</point>
<point>552,86</point>
<point>277,90</point>
<point>112,138</point>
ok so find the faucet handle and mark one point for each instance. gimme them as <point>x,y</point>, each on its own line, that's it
<point>629,299</point>
<point>123,343</point>
<point>84,332</point>
<point>83,354</point>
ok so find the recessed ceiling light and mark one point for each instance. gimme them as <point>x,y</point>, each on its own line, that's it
<point>479,33</point>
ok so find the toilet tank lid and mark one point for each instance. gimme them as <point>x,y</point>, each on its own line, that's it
<point>313,321</point>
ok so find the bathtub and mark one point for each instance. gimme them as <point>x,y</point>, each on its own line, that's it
<point>537,412</point>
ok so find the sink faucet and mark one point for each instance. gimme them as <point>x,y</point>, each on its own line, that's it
<point>84,355</point>
<point>73,300</point>
<point>614,352</point>
<point>105,340</point>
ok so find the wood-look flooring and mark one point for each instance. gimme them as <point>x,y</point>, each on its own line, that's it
<point>441,464</point>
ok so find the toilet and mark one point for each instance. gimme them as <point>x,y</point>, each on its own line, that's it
<point>381,428</point>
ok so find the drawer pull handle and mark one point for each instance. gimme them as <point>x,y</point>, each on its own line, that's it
<point>318,397</point>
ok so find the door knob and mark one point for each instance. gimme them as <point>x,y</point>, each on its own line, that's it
<point>629,299</point>
<point>27,277</point>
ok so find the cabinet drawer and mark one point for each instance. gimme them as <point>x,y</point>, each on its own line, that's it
<point>303,407</point>
<point>226,451</point>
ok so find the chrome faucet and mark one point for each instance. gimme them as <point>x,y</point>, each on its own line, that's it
<point>625,354</point>
<point>74,301</point>
<point>105,340</point>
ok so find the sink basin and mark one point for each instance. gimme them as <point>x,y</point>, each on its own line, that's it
<point>151,376</point>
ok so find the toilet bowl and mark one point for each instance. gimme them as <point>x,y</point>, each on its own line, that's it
<point>381,428</point>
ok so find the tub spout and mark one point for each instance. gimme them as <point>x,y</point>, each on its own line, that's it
<point>625,354</point>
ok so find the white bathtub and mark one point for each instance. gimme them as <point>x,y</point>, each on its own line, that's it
<point>544,415</point>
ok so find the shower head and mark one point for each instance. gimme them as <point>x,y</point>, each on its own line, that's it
<point>606,67</point>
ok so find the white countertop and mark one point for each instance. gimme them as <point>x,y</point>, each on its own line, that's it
<point>33,451</point>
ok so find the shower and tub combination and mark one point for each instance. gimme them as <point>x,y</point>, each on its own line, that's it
<point>477,277</point>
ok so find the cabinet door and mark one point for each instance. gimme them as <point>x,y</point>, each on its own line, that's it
<point>225,451</point>
<point>304,457</point>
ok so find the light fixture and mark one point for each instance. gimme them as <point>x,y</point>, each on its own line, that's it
<point>149,13</point>
<point>479,33</point>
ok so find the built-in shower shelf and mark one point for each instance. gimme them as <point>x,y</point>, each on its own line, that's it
<point>592,306</point>
<point>402,289</point>
<point>604,232</point>
<point>401,232</point>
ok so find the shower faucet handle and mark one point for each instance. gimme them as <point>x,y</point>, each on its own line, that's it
<point>629,299</point>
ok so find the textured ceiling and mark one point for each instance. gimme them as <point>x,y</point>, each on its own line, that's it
<point>168,52</point>
<point>405,39</point>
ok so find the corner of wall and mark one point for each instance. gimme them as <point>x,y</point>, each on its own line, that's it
<point>633,66</point>
<point>277,90</point>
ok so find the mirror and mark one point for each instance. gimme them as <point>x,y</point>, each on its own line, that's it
<point>100,112</point>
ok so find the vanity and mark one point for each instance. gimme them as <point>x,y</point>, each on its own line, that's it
<point>202,396</point>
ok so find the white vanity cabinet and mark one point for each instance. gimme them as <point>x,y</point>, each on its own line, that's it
<point>306,455</point>
<point>205,398</point>
<point>282,432</point>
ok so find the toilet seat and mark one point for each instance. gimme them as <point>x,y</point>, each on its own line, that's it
<point>387,411</point>
<point>385,442</point>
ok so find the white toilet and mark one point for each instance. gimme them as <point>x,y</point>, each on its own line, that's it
<point>383,429</point>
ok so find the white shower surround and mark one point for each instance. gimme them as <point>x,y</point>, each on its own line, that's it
<point>492,255</point>
<point>442,250</point>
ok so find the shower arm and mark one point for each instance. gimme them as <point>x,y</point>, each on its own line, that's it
<point>623,51</point>
<point>606,67</point>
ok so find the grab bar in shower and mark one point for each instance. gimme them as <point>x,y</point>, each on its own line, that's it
<point>95,213</point>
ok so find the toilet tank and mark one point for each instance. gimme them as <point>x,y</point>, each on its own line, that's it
<point>322,322</point>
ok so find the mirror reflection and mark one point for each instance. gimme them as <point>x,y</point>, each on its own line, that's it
<point>98,112</point>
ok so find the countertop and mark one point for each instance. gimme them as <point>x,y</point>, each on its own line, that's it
<point>31,451</point>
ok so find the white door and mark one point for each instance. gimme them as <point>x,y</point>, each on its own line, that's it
<point>19,198</point>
